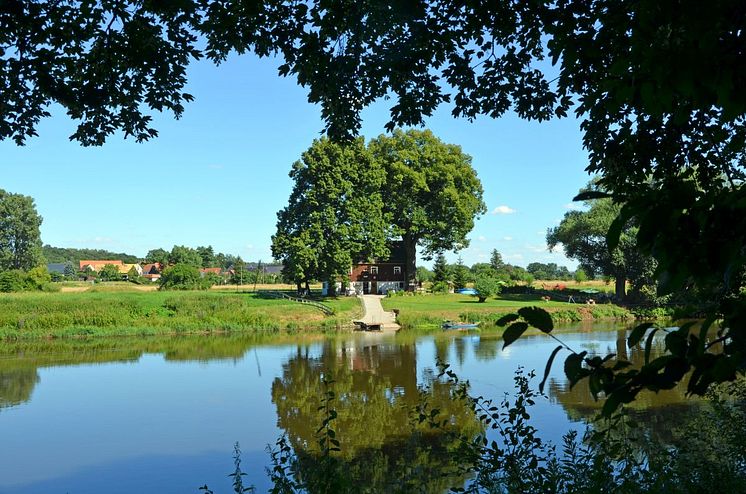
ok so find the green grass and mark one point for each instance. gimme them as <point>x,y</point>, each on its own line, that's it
<point>47,315</point>
<point>432,309</point>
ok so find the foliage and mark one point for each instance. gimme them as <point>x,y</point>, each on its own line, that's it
<point>440,269</point>
<point>181,254</point>
<point>440,287</point>
<point>157,256</point>
<point>433,194</point>
<point>424,274</point>
<point>496,260</point>
<point>334,215</point>
<point>182,277</point>
<point>109,273</point>
<point>583,237</point>
<point>207,254</point>
<point>549,271</point>
<point>580,276</point>
<point>134,277</point>
<point>240,274</point>
<point>486,287</point>
<point>71,272</point>
<point>37,278</point>
<point>20,239</point>
<point>74,256</point>
<point>460,275</point>
<point>13,280</point>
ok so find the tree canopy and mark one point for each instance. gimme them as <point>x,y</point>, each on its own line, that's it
<point>335,214</point>
<point>433,194</point>
<point>20,238</point>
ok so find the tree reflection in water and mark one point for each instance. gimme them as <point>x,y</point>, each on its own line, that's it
<point>383,447</point>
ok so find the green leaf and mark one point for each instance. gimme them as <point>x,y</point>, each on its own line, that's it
<point>636,335</point>
<point>649,345</point>
<point>513,332</point>
<point>538,318</point>
<point>615,231</point>
<point>549,367</point>
<point>507,318</point>
<point>588,195</point>
<point>574,367</point>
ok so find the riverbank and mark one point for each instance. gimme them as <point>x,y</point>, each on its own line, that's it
<point>60,315</point>
<point>430,310</point>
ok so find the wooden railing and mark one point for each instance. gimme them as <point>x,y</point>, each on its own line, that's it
<point>323,308</point>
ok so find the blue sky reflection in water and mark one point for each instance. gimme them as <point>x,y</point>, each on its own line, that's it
<point>164,419</point>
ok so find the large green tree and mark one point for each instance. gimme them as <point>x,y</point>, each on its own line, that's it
<point>582,235</point>
<point>335,214</point>
<point>20,238</point>
<point>433,194</point>
<point>181,254</point>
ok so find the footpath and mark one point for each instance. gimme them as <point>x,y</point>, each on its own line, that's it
<point>376,316</point>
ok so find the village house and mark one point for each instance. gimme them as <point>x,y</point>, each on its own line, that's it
<point>378,276</point>
<point>152,271</point>
<point>97,266</point>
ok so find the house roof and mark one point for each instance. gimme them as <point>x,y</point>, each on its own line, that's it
<point>266,268</point>
<point>211,270</point>
<point>152,268</point>
<point>125,268</point>
<point>56,267</point>
<point>97,265</point>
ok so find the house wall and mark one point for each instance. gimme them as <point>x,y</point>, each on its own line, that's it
<point>362,272</point>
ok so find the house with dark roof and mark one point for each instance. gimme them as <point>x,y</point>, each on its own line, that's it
<point>56,267</point>
<point>377,276</point>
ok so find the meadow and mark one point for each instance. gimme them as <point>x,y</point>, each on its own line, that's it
<point>118,311</point>
<point>432,309</point>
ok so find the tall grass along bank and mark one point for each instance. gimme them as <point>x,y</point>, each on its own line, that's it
<point>53,315</point>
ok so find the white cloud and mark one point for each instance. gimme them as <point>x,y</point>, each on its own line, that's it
<point>513,257</point>
<point>482,256</point>
<point>573,206</point>
<point>482,238</point>
<point>249,246</point>
<point>507,239</point>
<point>503,210</point>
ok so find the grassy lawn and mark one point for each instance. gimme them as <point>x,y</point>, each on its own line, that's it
<point>118,311</point>
<point>432,309</point>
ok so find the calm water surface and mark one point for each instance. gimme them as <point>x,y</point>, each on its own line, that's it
<point>162,415</point>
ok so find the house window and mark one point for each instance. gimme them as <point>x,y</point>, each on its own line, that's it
<point>397,269</point>
<point>374,270</point>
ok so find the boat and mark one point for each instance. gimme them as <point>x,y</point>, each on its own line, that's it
<point>460,325</point>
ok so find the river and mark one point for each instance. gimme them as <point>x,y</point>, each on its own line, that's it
<point>162,414</point>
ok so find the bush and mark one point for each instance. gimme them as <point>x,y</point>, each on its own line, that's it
<point>13,280</point>
<point>182,277</point>
<point>486,287</point>
<point>37,278</point>
<point>440,287</point>
<point>580,275</point>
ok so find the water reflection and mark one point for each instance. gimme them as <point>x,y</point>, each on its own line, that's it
<point>21,361</point>
<point>376,387</point>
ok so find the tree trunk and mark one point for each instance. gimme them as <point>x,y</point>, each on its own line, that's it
<point>410,266</point>
<point>621,287</point>
<point>298,287</point>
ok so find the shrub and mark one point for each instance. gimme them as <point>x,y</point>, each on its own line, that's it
<point>13,280</point>
<point>486,287</point>
<point>580,275</point>
<point>37,278</point>
<point>182,277</point>
<point>440,287</point>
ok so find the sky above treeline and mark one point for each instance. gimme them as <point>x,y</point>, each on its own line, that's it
<point>219,175</point>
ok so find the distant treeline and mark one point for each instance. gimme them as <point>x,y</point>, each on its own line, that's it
<point>65,254</point>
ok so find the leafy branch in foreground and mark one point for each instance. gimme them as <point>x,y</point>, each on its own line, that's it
<point>688,348</point>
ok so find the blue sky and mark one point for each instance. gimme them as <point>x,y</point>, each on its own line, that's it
<point>219,175</point>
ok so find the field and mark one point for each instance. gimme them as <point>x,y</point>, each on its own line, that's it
<point>118,310</point>
<point>433,309</point>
